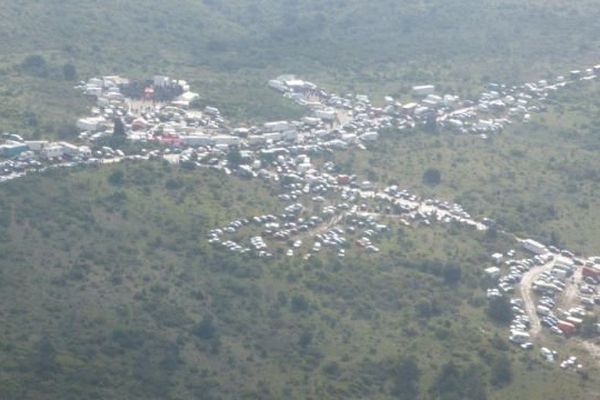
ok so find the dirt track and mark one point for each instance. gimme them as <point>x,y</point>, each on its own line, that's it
<point>528,297</point>
<point>569,297</point>
<point>336,219</point>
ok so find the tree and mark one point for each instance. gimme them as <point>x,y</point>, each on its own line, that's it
<point>35,65</point>
<point>501,372</point>
<point>588,328</point>
<point>500,310</point>
<point>555,239</point>
<point>457,383</point>
<point>491,233</point>
<point>332,369</point>
<point>234,157</point>
<point>116,178</point>
<point>475,387</point>
<point>452,274</point>
<point>119,129</point>
<point>448,383</point>
<point>432,177</point>
<point>423,308</point>
<point>69,72</point>
<point>44,358</point>
<point>206,328</point>
<point>167,92</point>
<point>216,46</point>
<point>305,338</point>
<point>119,136</point>
<point>299,303</point>
<point>430,125</point>
<point>406,376</point>
<point>68,131</point>
<point>128,338</point>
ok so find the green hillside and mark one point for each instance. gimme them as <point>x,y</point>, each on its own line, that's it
<point>537,179</point>
<point>109,290</point>
<point>228,50</point>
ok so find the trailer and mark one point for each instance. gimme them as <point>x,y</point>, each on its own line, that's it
<point>278,126</point>
<point>568,328</point>
<point>591,271</point>
<point>534,247</point>
<point>423,90</point>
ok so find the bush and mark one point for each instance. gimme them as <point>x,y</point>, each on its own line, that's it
<point>205,329</point>
<point>299,303</point>
<point>305,339</point>
<point>116,178</point>
<point>452,274</point>
<point>406,379</point>
<point>127,338</point>
<point>500,310</point>
<point>69,72</point>
<point>44,358</point>
<point>458,383</point>
<point>332,369</point>
<point>234,157</point>
<point>432,177</point>
<point>119,128</point>
<point>501,373</point>
<point>68,131</point>
<point>35,65</point>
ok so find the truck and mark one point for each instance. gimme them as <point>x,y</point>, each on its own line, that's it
<point>568,328</point>
<point>591,271</point>
<point>534,247</point>
<point>423,90</point>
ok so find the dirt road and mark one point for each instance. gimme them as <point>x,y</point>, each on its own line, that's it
<point>528,297</point>
<point>571,293</point>
<point>336,219</point>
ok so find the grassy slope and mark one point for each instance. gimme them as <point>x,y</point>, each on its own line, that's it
<point>229,49</point>
<point>538,179</point>
<point>116,279</point>
<point>102,293</point>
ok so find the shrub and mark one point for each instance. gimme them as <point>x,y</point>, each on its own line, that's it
<point>116,178</point>
<point>299,303</point>
<point>35,65</point>
<point>501,373</point>
<point>205,329</point>
<point>69,72</point>
<point>500,310</point>
<point>432,177</point>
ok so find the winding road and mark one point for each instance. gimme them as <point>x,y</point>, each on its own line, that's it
<point>528,297</point>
